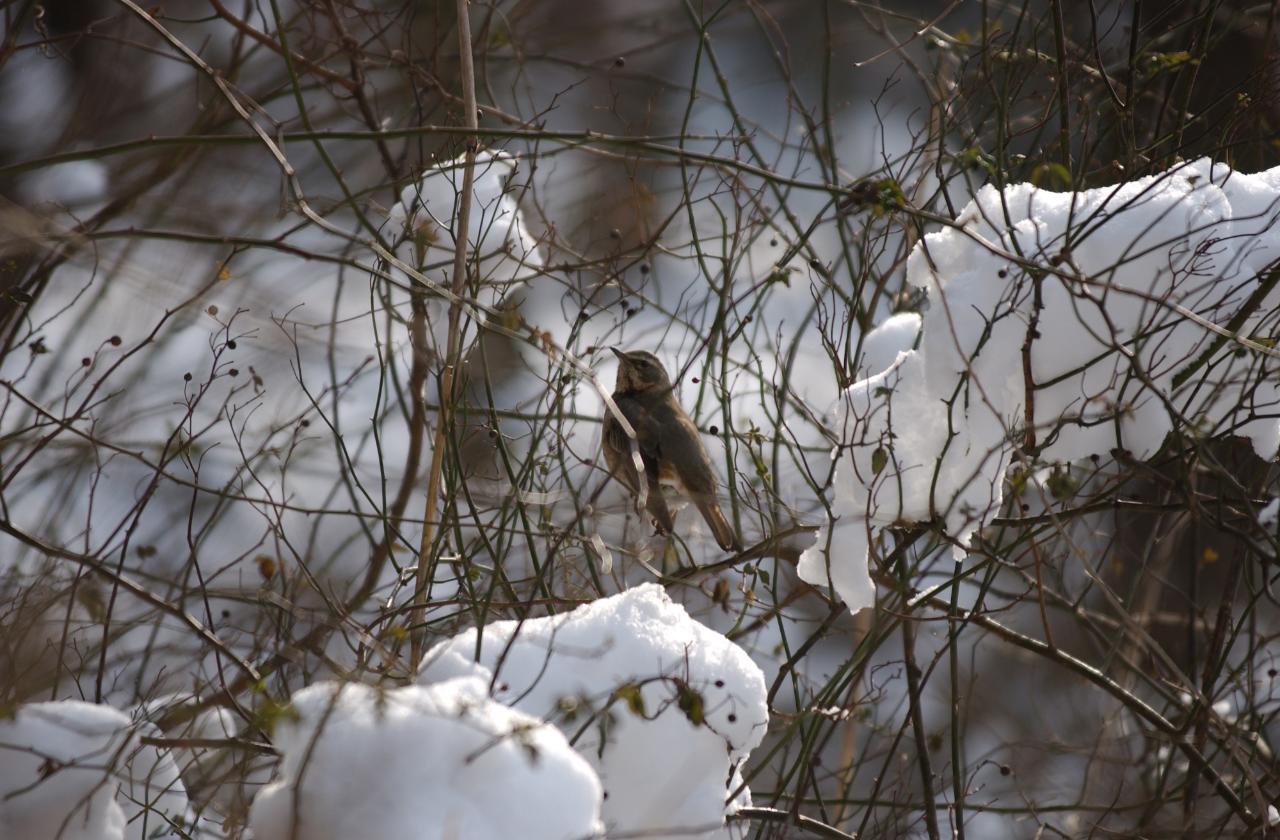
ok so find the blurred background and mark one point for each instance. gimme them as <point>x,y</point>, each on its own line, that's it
<point>219,397</point>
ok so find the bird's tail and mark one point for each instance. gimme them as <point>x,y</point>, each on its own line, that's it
<point>720,527</point>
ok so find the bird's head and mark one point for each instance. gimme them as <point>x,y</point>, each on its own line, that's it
<point>640,370</point>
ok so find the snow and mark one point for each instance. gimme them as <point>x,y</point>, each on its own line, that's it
<point>496,229</point>
<point>1130,282</point>
<point>76,771</point>
<point>441,761</point>
<point>680,707</point>
<point>500,249</point>
<point>221,780</point>
<point>1269,515</point>
<point>285,357</point>
<point>881,346</point>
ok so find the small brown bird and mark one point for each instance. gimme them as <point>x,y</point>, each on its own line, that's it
<point>670,447</point>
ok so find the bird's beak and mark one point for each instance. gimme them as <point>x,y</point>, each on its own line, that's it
<point>621,356</point>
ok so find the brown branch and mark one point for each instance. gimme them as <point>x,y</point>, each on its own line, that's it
<point>135,589</point>
<point>271,44</point>
<point>809,824</point>
<point>447,380</point>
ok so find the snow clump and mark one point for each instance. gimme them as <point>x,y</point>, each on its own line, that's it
<point>72,770</point>
<point>1065,325</point>
<point>665,709</point>
<point>500,250</point>
<point>424,762</point>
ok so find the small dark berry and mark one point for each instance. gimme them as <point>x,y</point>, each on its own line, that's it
<point>619,62</point>
<point>695,380</point>
<point>732,717</point>
<point>86,361</point>
<point>773,243</point>
<point>305,423</point>
<point>186,377</point>
<point>231,345</point>
<point>233,372</point>
<point>719,683</point>
<point>226,613</point>
<point>715,430</point>
<point>815,264</point>
<point>644,268</point>
<point>1002,273</point>
<point>115,341</point>
<point>212,310</point>
<point>1004,770</point>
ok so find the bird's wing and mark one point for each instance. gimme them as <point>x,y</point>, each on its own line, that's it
<point>656,503</point>
<point>682,447</point>
<point>617,453</point>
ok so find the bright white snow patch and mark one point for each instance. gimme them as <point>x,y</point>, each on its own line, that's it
<point>1269,515</point>
<point>499,248</point>
<point>496,231</point>
<point>426,214</point>
<point>1123,286</point>
<point>679,706</point>
<point>880,347</point>
<point>429,762</point>
<point>76,771</point>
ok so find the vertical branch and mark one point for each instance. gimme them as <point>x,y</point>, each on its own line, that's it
<point>917,715</point>
<point>1064,101</point>
<point>849,742</point>
<point>447,379</point>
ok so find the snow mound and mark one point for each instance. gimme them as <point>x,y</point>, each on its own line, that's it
<point>77,771</point>
<point>423,762</point>
<point>881,346</point>
<point>500,250</point>
<point>665,709</point>
<point>1108,307</point>
<point>496,232</point>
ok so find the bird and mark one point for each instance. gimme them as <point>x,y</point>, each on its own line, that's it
<point>670,447</point>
